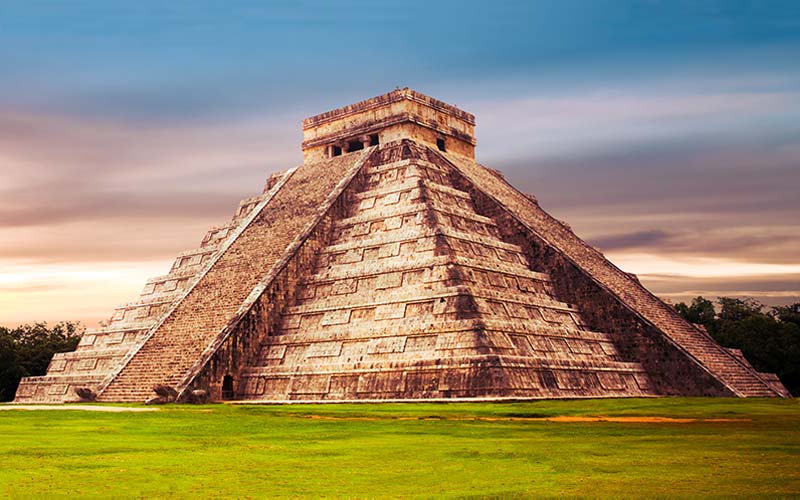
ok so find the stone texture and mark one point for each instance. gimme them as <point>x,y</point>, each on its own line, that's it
<point>396,270</point>
<point>417,296</point>
<point>102,352</point>
<point>696,350</point>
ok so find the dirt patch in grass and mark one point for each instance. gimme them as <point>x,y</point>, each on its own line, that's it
<point>560,419</point>
<point>643,420</point>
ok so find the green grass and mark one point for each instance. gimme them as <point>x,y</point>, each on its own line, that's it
<point>406,450</point>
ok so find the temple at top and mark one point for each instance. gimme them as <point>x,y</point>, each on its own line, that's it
<point>401,114</point>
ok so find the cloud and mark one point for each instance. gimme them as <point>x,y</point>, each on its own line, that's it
<point>594,122</point>
<point>661,182</point>
<point>62,170</point>
<point>93,207</point>
<point>85,292</point>
<point>729,172</point>
<point>637,239</point>
<point>694,190</point>
<point>698,267</point>
<point>727,197</point>
<point>771,290</point>
<point>766,243</point>
<point>768,298</point>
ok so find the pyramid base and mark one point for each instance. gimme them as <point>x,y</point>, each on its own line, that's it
<point>476,378</point>
<point>487,399</point>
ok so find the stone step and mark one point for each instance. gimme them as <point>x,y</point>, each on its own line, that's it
<point>413,165</point>
<point>261,242</point>
<point>529,362</point>
<point>399,236</point>
<point>394,212</point>
<point>415,262</point>
<point>422,293</point>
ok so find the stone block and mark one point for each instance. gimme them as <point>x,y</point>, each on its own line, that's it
<point>387,345</point>
<point>376,382</point>
<point>389,311</point>
<point>323,349</point>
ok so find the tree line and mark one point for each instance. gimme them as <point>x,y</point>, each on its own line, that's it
<point>768,337</point>
<point>26,350</point>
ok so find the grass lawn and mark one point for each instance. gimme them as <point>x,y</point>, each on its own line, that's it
<point>407,450</point>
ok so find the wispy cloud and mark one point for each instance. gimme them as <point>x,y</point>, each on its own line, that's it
<point>698,267</point>
<point>602,121</point>
<point>93,207</point>
<point>770,242</point>
<point>693,191</point>
<point>66,170</point>
<point>75,291</point>
<point>693,187</point>
<point>663,172</point>
<point>771,290</point>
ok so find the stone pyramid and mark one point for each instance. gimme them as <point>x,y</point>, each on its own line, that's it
<point>392,266</point>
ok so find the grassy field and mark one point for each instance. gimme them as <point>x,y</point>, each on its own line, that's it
<point>408,450</point>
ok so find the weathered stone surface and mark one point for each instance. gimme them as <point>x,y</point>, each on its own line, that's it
<point>686,359</point>
<point>392,266</point>
<point>102,352</point>
<point>428,302</point>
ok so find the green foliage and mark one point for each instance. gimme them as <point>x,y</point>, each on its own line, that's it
<point>10,371</point>
<point>26,351</point>
<point>769,340</point>
<point>701,311</point>
<point>732,309</point>
<point>416,450</point>
<point>788,314</point>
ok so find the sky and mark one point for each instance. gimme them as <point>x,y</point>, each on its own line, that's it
<point>666,133</point>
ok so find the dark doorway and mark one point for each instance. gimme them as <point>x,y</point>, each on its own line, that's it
<point>354,146</point>
<point>336,151</point>
<point>374,140</point>
<point>227,387</point>
<point>440,144</point>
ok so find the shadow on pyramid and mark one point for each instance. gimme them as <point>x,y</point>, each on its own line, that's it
<point>392,266</point>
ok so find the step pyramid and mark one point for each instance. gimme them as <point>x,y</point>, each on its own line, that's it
<point>392,266</point>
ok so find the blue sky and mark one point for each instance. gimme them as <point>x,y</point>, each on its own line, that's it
<point>182,59</point>
<point>668,133</point>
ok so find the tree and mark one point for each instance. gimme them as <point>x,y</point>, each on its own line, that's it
<point>769,341</point>
<point>10,371</point>
<point>700,312</point>
<point>732,309</point>
<point>26,351</point>
<point>770,345</point>
<point>788,314</point>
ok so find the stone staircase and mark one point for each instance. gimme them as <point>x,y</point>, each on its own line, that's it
<point>221,294</point>
<point>740,378</point>
<point>415,280</point>
<point>103,351</point>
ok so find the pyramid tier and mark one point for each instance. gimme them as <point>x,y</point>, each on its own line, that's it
<point>224,290</point>
<point>102,351</point>
<point>414,279</point>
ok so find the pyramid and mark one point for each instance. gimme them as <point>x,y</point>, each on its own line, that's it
<point>392,266</point>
